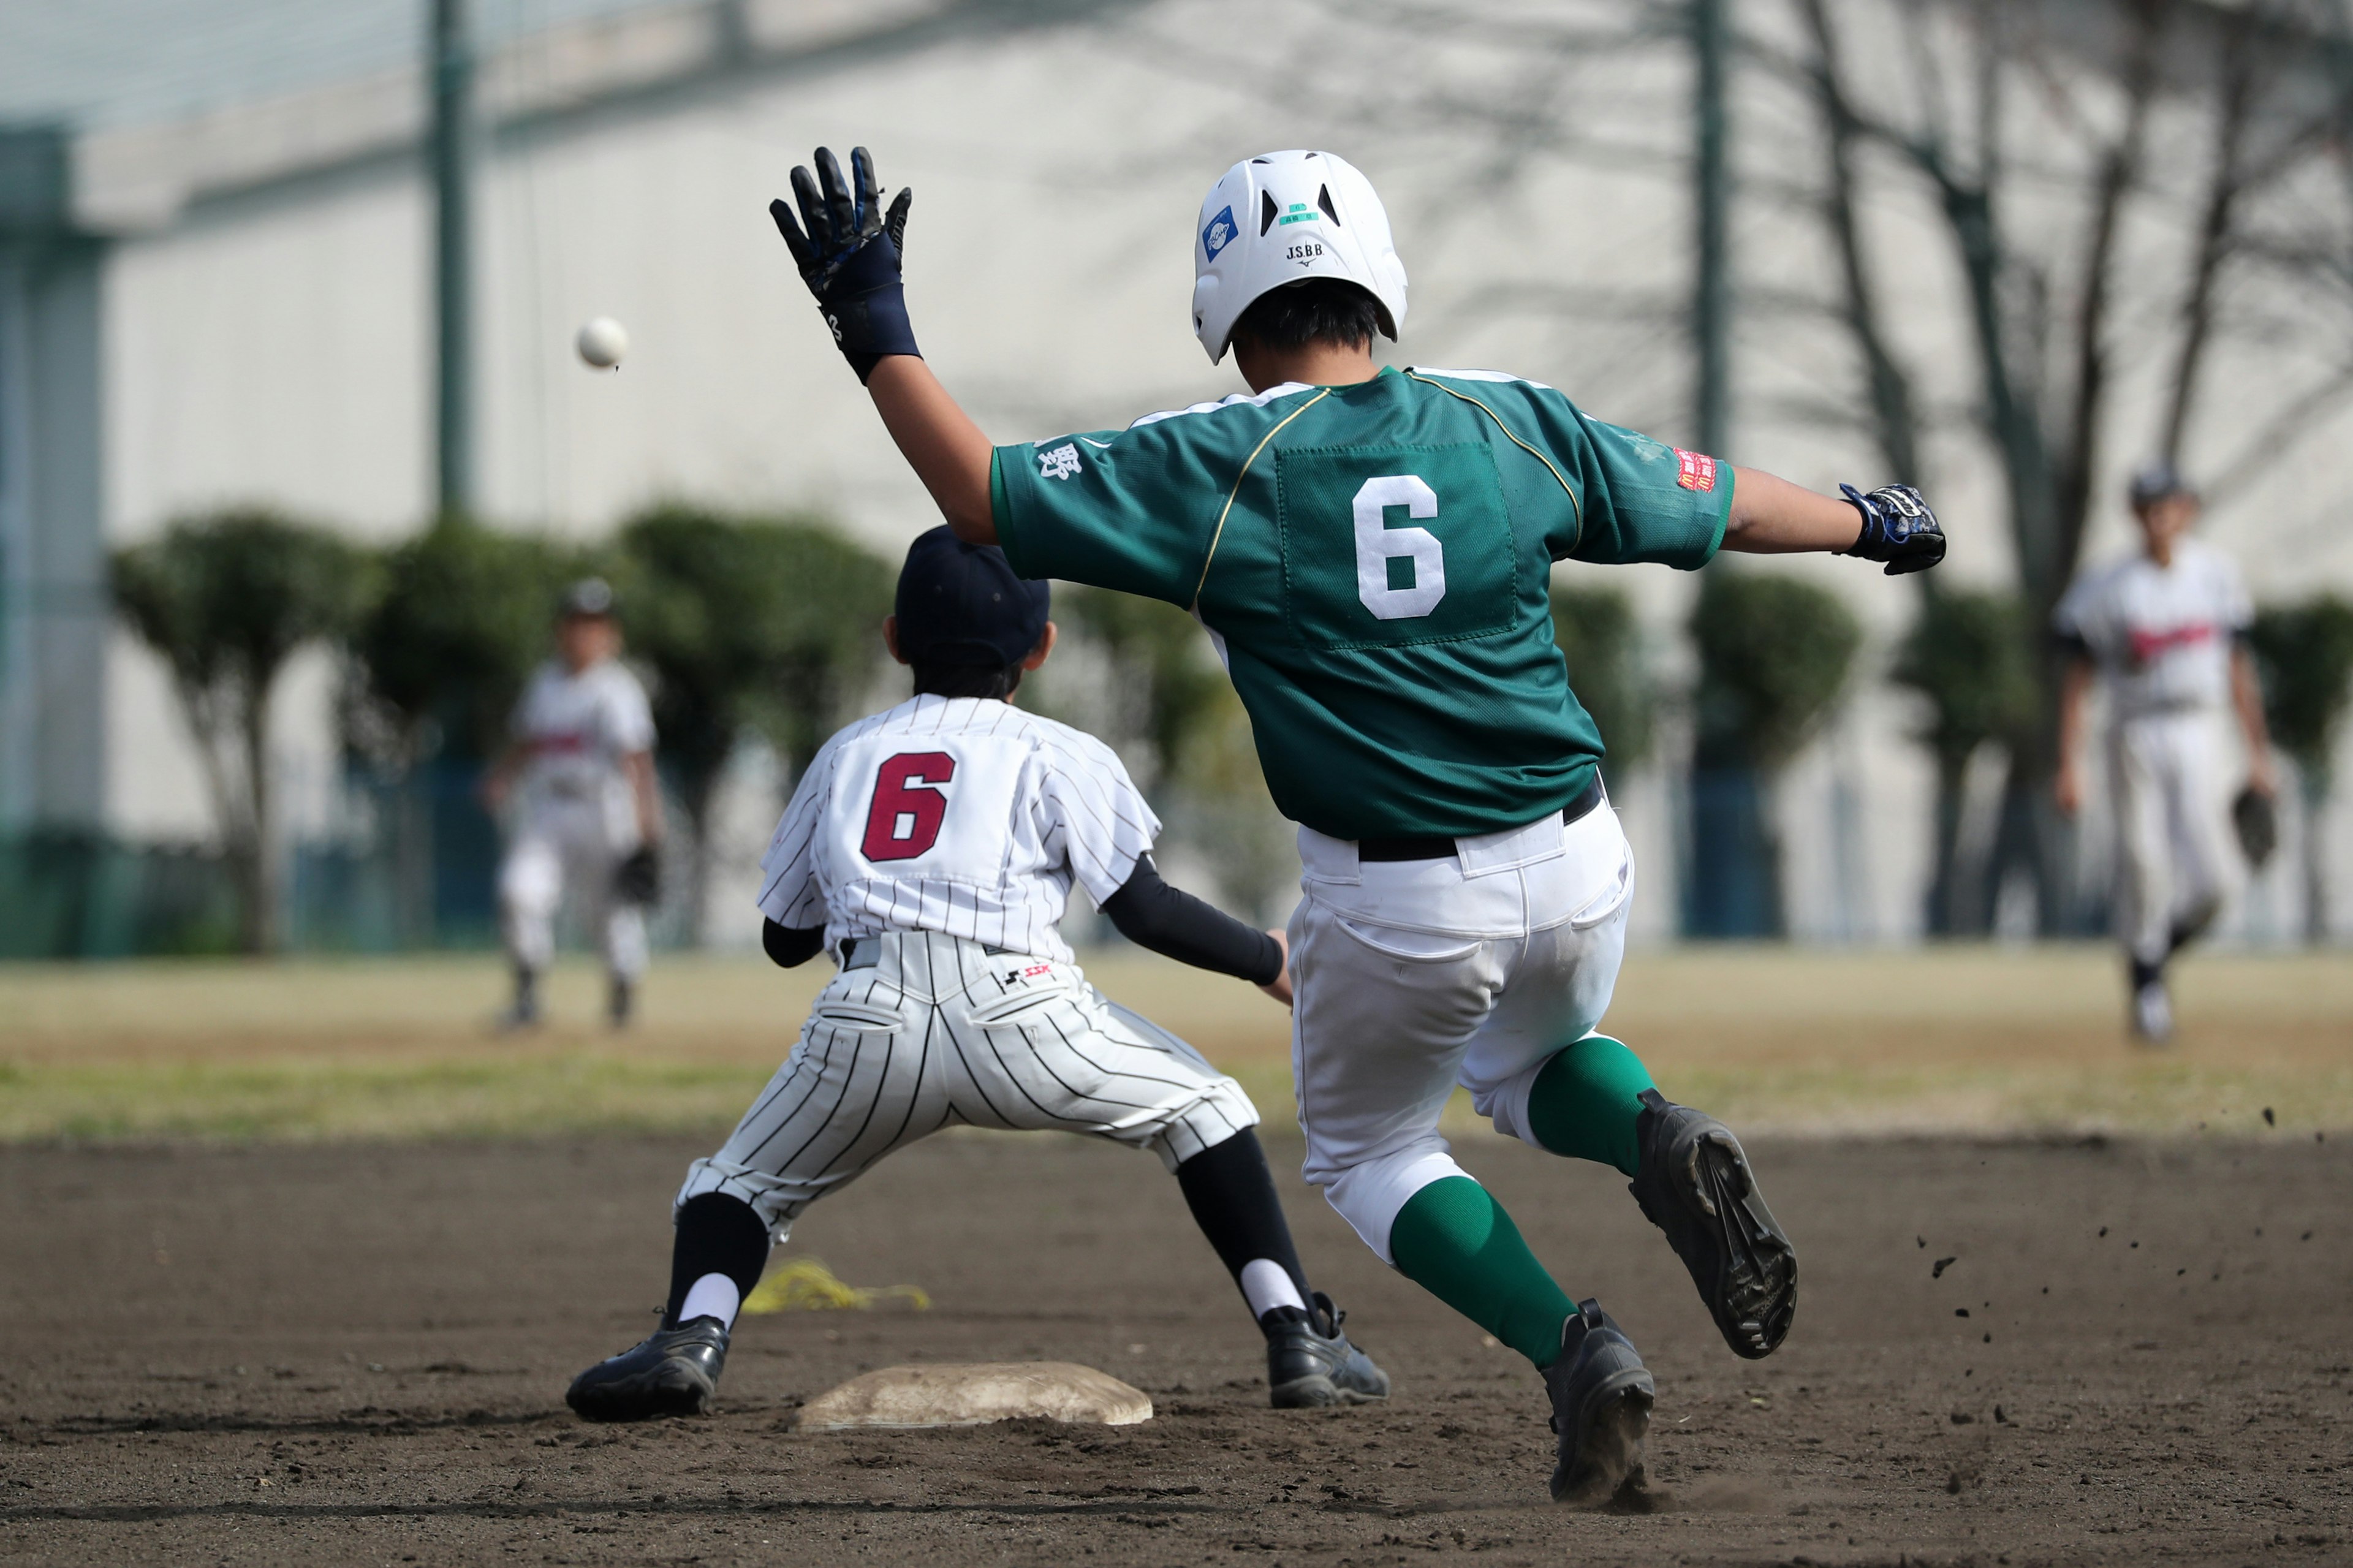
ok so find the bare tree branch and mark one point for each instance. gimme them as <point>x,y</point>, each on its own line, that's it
<point>1893,421</point>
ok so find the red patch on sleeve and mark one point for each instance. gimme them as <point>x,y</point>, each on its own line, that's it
<point>1695,472</point>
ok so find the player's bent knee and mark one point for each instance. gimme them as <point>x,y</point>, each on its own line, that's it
<point>1368,1195</point>
<point>775,1199</point>
<point>1505,1104</point>
<point>1222,1110</point>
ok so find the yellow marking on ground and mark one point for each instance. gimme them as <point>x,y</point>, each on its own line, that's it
<point>806,1285</point>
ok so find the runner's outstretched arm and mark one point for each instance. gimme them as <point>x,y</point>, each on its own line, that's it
<point>940,443</point>
<point>1771,516</point>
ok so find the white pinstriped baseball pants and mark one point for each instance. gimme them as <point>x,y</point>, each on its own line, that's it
<point>938,1031</point>
<point>2176,864</point>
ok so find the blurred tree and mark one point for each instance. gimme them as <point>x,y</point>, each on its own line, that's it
<point>770,623</point>
<point>1159,698</point>
<point>463,619</point>
<point>1602,642</point>
<point>465,616</point>
<point>2306,654</point>
<point>1968,654</point>
<point>1168,691</point>
<point>225,601</point>
<point>1774,654</point>
<point>1223,812</point>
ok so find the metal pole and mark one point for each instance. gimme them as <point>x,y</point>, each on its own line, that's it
<point>1712,297</point>
<point>452,68</point>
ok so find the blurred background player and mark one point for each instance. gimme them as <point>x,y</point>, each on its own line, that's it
<point>576,791</point>
<point>932,849</point>
<point>1370,551</point>
<point>2166,630</point>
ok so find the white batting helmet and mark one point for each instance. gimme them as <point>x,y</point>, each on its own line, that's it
<point>1284,217</point>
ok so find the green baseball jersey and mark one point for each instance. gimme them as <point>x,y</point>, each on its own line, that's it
<point>1373,563</point>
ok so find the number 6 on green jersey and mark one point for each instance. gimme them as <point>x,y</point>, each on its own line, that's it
<point>1378,544</point>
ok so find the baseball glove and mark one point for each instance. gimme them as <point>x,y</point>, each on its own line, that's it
<point>2258,824</point>
<point>848,249</point>
<point>637,879</point>
<point>1897,528</point>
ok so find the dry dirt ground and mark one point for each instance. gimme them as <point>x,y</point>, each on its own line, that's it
<point>2006,1352</point>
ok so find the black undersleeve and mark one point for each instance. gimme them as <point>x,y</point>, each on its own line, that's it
<point>1175,924</point>
<point>716,1234</point>
<point>791,946</point>
<point>1231,1194</point>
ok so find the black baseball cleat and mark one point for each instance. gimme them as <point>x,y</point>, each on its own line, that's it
<point>1601,1398</point>
<point>1310,1363</point>
<point>523,1013</point>
<point>1693,1182</point>
<point>674,1373</point>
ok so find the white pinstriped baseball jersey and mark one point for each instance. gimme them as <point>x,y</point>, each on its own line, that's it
<point>575,729</point>
<point>2161,634</point>
<point>956,815</point>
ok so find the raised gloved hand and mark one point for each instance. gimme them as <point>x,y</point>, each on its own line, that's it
<point>1897,528</point>
<point>847,250</point>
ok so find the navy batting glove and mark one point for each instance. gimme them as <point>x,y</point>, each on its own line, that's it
<point>1897,528</point>
<point>847,249</point>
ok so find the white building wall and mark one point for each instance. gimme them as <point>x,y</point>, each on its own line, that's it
<point>275,346</point>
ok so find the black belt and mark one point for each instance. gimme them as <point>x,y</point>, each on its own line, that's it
<point>864,952</point>
<point>1430,846</point>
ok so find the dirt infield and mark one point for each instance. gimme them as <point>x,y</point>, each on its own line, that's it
<point>357,1353</point>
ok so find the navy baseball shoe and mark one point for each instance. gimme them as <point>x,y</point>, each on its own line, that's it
<point>1693,1182</point>
<point>1310,1363</point>
<point>1601,1398</point>
<point>673,1373</point>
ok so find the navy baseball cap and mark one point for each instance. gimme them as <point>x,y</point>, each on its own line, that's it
<point>590,596</point>
<point>2156,481</point>
<point>961,603</point>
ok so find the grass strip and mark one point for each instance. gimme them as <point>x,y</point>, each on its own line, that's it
<point>592,1090</point>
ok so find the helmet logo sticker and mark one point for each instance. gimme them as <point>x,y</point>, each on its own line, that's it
<point>1219,234</point>
<point>1307,253</point>
<point>1298,212</point>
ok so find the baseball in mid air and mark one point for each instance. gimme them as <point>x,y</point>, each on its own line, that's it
<point>602,343</point>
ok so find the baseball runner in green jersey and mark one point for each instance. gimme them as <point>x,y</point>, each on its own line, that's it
<point>1369,549</point>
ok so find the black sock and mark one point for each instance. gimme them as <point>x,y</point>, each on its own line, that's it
<point>2147,974</point>
<point>716,1234</point>
<point>1231,1194</point>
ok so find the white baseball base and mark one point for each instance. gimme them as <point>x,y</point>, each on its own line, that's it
<point>975,1394</point>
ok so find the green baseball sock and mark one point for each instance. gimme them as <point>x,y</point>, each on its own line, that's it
<point>1454,1240</point>
<point>1586,1102</point>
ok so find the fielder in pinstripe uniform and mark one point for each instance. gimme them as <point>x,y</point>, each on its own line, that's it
<point>932,849</point>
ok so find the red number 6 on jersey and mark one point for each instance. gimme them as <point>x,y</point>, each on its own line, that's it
<point>906,817</point>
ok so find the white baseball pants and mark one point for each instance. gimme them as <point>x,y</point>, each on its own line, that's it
<point>2175,862</point>
<point>930,1031</point>
<point>1411,978</point>
<point>561,847</point>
